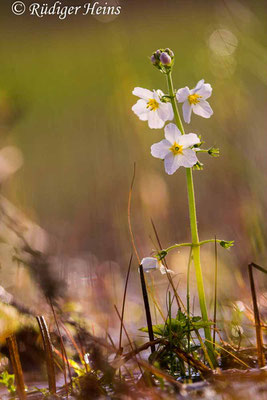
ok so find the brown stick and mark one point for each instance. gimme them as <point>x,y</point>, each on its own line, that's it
<point>260,348</point>
<point>178,300</point>
<point>124,300</point>
<point>63,352</point>
<point>147,308</point>
<point>16,364</point>
<point>161,374</point>
<point>128,337</point>
<point>48,354</point>
<point>129,215</point>
<point>179,352</point>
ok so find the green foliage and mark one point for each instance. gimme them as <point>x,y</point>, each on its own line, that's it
<point>178,327</point>
<point>80,371</point>
<point>8,380</point>
<point>177,332</point>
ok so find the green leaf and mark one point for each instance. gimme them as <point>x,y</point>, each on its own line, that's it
<point>157,329</point>
<point>201,324</point>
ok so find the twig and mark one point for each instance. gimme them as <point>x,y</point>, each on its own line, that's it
<point>161,374</point>
<point>63,351</point>
<point>124,299</point>
<point>129,215</point>
<point>129,340</point>
<point>16,364</point>
<point>179,352</point>
<point>48,354</point>
<point>75,345</point>
<point>178,300</point>
<point>260,348</point>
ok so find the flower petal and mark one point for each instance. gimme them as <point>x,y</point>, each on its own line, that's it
<point>188,140</point>
<point>188,159</point>
<point>165,111</point>
<point>172,133</point>
<point>159,93</point>
<point>160,149</point>
<point>182,94</point>
<point>205,91</point>
<point>154,121</point>
<point>171,163</point>
<point>140,109</point>
<point>163,270</point>
<point>198,86</point>
<point>143,93</point>
<point>187,110</point>
<point>149,263</point>
<point>203,109</point>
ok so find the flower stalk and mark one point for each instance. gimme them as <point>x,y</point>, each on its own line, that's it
<point>193,225</point>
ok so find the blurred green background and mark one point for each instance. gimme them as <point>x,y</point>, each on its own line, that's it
<point>65,101</point>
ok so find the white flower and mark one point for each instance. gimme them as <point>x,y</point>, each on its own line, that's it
<point>150,263</point>
<point>175,149</point>
<point>195,100</point>
<point>150,108</point>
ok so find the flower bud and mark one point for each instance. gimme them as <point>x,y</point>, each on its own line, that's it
<point>198,166</point>
<point>165,59</point>
<point>226,244</point>
<point>214,152</point>
<point>161,255</point>
<point>170,52</point>
<point>153,59</point>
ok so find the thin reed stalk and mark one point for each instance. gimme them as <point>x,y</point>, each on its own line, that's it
<point>124,300</point>
<point>48,354</point>
<point>259,338</point>
<point>16,364</point>
<point>63,351</point>
<point>147,308</point>
<point>215,290</point>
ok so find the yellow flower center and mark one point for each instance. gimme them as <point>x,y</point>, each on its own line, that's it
<point>152,104</point>
<point>176,149</point>
<point>193,98</point>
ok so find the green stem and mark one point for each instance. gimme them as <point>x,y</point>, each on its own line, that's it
<point>176,245</point>
<point>194,230</point>
<point>188,308</point>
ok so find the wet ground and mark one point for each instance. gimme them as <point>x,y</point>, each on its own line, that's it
<point>229,385</point>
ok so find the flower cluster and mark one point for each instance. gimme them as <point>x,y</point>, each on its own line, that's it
<point>177,149</point>
<point>163,59</point>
